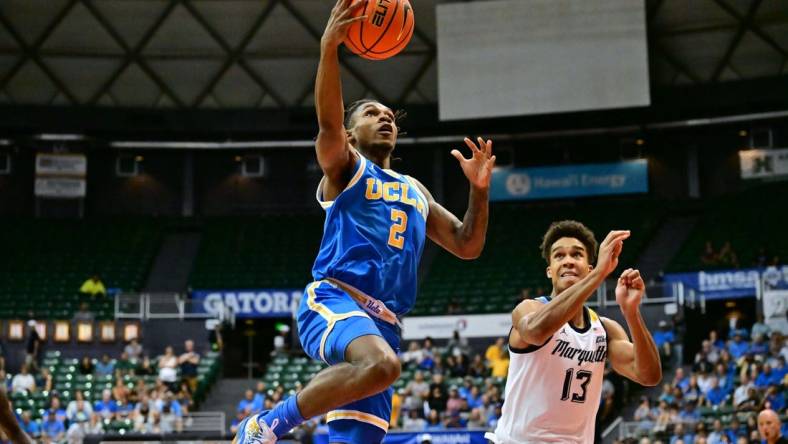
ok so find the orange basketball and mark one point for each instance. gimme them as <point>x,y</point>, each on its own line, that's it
<point>386,31</point>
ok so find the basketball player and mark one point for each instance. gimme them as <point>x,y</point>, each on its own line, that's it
<point>365,272</point>
<point>558,346</point>
<point>9,426</point>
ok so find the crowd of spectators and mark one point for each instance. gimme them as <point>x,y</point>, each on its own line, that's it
<point>148,395</point>
<point>441,388</point>
<point>717,399</point>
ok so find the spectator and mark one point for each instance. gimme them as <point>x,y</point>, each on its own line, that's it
<point>258,404</point>
<point>168,362</point>
<point>120,392</point>
<point>453,307</point>
<point>86,366</point>
<point>774,399</point>
<point>760,328</point>
<point>247,403</point>
<point>57,409</point>
<point>33,345</point>
<point>23,381</point>
<point>457,346</point>
<point>769,427</point>
<point>84,313</point>
<point>239,417</point>
<point>146,368</point>
<point>742,391</point>
<point>189,361</point>
<point>500,368</point>
<point>133,349</point>
<point>417,390</point>
<point>727,257</point>
<point>664,339</point>
<point>414,355</point>
<point>106,407</point>
<point>280,340</point>
<point>680,380</point>
<point>53,429</point>
<point>494,352</point>
<point>45,381</point>
<point>437,399</point>
<point>454,402</point>
<point>78,407</point>
<point>433,421</point>
<point>93,286</point>
<point>765,378</point>
<point>125,366</point>
<point>29,426</point>
<point>396,407</point>
<point>689,415</point>
<point>413,422</point>
<point>477,367</point>
<point>717,435</point>
<point>758,346</point>
<point>105,367</point>
<point>737,347</point>
<point>77,430</point>
<point>716,394</point>
<point>752,403</point>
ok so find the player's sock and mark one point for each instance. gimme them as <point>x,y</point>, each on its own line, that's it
<point>284,417</point>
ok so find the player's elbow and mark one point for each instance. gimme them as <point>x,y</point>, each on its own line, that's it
<point>470,252</point>
<point>651,378</point>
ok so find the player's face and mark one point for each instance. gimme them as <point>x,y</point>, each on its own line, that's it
<point>374,125</point>
<point>568,263</point>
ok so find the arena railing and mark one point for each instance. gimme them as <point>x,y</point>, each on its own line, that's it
<point>144,306</point>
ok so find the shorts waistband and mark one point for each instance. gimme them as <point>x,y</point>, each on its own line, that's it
<point>371,305</point>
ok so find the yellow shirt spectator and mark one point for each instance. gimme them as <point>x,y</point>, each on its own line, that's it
<point>93,286</point>
<point>396,407</point>
<point>494,352</point>
<point>500,368</point>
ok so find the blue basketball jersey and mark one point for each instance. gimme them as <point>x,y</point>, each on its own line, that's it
<point>374,235</point>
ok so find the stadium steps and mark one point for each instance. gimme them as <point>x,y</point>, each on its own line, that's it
<point>171,268</point>
<point>665,244</point>
<point>225,396</point>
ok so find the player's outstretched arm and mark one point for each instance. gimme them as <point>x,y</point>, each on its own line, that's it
<point>465,239</point>
<point>9,424</point>
<point>534,323</point>
<point>333,153</point>
<point>638,360</point>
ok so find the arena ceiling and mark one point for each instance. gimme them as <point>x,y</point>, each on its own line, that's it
<point>263,53</point>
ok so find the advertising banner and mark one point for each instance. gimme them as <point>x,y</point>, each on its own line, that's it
<point>264,303</point>
<point>759,164</point>
<point>719,284</point>
<point>469,326</point>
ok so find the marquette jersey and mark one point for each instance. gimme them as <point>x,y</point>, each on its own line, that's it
<point>374,235</point>
<point>553,390</point>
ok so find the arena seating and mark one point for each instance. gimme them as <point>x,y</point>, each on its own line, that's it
<point>511,260</point>
<point>275,251</point>
<point>748,220</point>
<point>51,259</point>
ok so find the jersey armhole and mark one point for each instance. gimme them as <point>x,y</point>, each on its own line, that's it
<point>326,204</point>
<point>531,347</point>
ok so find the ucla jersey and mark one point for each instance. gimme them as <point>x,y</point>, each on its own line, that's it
<point>374,235</point>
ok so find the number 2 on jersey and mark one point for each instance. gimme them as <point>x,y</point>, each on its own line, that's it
<point>400,219</point>
<point>585,375</point>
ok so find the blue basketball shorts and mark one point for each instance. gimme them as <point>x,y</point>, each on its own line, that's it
<point>328,321</point>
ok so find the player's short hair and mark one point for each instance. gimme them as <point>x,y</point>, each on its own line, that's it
<point>399,114</point>
<point>573,229</point>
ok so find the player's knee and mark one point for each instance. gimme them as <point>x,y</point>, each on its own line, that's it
<point>385,369</point>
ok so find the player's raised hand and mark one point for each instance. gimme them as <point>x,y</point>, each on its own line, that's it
<point>340,20</point>
<point>629,290</point>
<point>478,169</point>
<point>609,251</point>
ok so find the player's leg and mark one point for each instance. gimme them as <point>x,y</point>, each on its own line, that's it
<point>363,421</point>
<point>332,328</point>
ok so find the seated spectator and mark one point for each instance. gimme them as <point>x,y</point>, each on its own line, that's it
<point>133,349</point>
<point>682,434</point>
<point>106,407</point>
<point>437,399</point>
<point>433,421</point>
<point>416,391</point>
<point>752,403</point>
<point>727,256</point>
<point>716,395</point>
<point>475,420</point>
<point>689,415</point>
<point>680,380</point>
<point>77,431</point>
<point>168,363</point>
<point>120,392</point>
<point>29,426</point>
<point>105,367</point>
<point>57,409</point>
<point>188,363</point>
<point>93,286</point>
<point>413,422</point>
<point>764,379</point>
<point>738,346</point>
<point>457,345</point>
<point>78,407</point>
<point>86,366</point>
<point>146,368</point>
<point>717,434</point>
<point>125,366</point>
<point>664,339</point>
<point>414,355</point>
<point>742,391</point>
<point>693,392</point>
<point>454,402</point>
<point>774,399</point>
<point>84,313</point>
<point>247,402</point>
<point>644,414</point>
<point>258,403</point>
<point>23,381</point>
<point>52,429</point>
<point>477,367</point>
<point>495,352</point>
<point>236,422</point>
<point>715,340</point>
<point>667,394</point>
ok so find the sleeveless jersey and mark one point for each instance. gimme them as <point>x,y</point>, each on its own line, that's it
<point>374,235</point>
<point>553,391</point>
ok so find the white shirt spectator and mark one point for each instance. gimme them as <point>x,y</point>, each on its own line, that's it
<point>74,408</point>
<point>23,382</point>
<point>704,383</point>
<point>134,350</point>
<point>740,394</point>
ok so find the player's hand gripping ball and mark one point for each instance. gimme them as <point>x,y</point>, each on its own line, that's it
<point>386,31</point>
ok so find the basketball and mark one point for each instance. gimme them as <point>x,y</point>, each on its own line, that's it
<point>386,31</point>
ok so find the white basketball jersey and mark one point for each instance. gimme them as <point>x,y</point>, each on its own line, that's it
<point>553,391</point>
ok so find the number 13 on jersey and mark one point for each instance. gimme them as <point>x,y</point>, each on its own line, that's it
<point>399,224</point>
